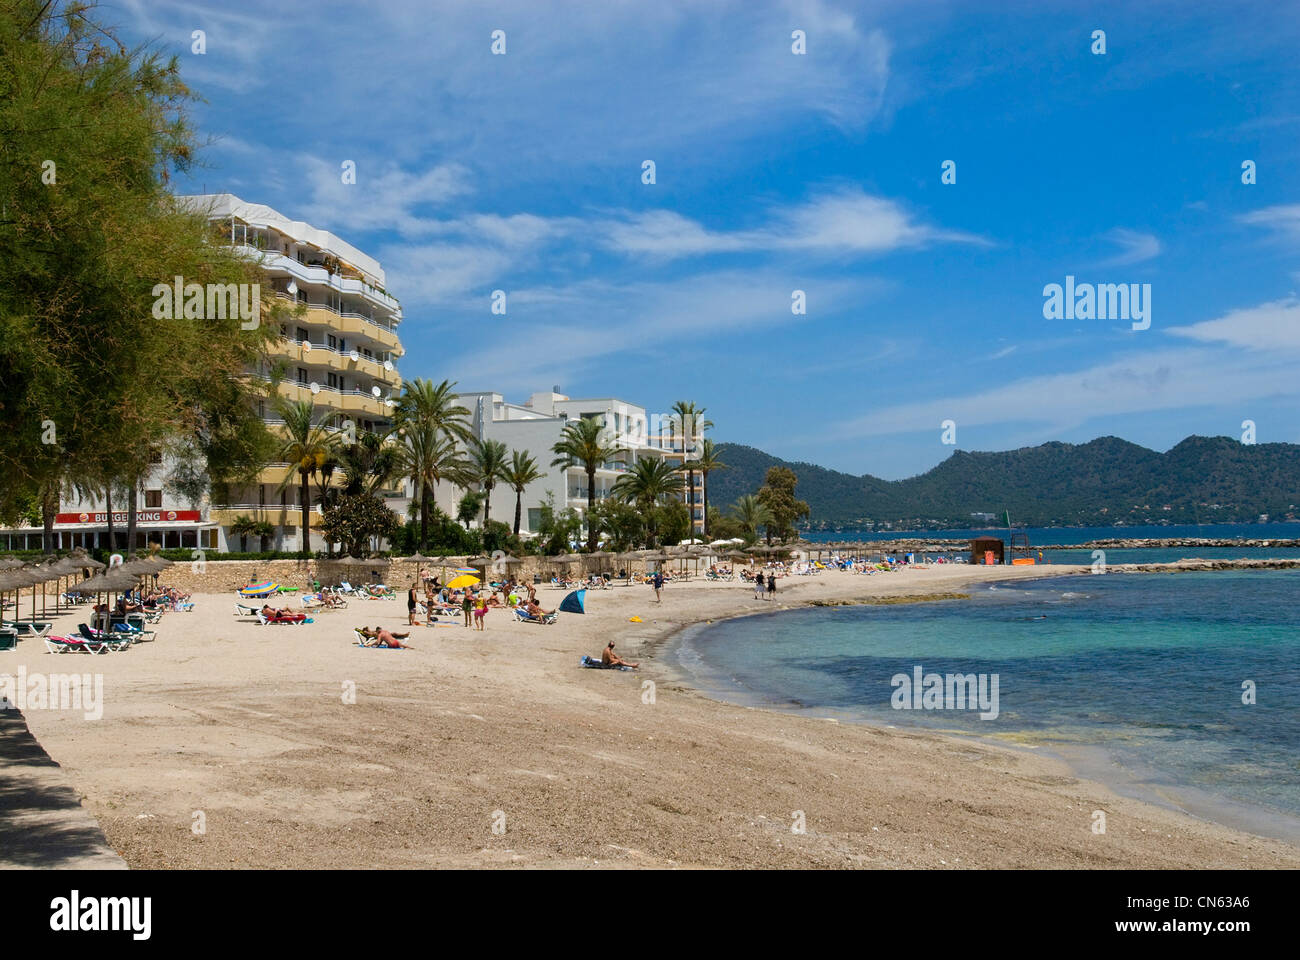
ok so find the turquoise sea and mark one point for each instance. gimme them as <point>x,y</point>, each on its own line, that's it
<point>1135,679</point>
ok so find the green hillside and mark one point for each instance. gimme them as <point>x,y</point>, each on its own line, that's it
<point>1201,480</point>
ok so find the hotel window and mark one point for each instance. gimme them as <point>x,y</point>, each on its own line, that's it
<point>152,499</point>
<point>302,334</point>
<point>302,375</point>
<point>334,380</point>
<point>333,342</point>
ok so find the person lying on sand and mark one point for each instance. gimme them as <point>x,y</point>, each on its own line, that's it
<point>271,613</point>
<point>610,659</point>
<point>383,637</point>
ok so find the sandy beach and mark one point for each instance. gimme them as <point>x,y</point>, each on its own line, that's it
<point>497,749</point>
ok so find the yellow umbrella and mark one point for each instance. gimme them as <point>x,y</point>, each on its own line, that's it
<point>465,580</point>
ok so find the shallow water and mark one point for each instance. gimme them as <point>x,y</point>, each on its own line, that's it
<point>1146,668</point>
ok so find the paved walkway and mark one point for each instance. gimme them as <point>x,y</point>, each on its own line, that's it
<point>43,825</point>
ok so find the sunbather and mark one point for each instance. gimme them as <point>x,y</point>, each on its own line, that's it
<point>533,610</point>
<point>272,614</point>
<point>611,659</point>
<point>383,637</point>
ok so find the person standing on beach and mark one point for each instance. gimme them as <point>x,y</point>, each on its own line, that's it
<point>480,611</point>
<point>410,605</point>
<point>758,585</point>
<point>467,607</point>
<point>658,582</point>
<point>771,586</point>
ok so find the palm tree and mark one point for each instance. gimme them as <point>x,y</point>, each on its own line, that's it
<point>426,457</point>
<point>519,473</point>
<point>242,527</point>
<point>369,464</point>
<point>487,465</point>
<point>429,422</point>
<point>706,463</point>
<point>582,442</point>
<point>752,514</point>
<point>646,483</point>
<point>306,446</point>
<point>691,420</point>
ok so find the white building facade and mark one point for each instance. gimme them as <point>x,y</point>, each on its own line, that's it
<point>536,425</point>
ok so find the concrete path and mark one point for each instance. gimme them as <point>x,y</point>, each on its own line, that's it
<point>43,825</point>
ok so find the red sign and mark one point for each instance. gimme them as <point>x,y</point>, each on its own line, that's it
<point>141,516</point>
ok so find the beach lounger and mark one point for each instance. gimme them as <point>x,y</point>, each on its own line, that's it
<point>26,629</point>
<point>114,641</point>
<point>244,611</point>
<point>293,619</point>
<point>523,616</point>
<point>311,603</point>
<point>8,638</point>
<point>361,642</point>
<point>76,645</point>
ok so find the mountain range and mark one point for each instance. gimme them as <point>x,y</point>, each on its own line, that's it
<point>1102,482</point>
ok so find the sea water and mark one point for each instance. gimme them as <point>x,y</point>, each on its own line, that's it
<point>1140,680</point>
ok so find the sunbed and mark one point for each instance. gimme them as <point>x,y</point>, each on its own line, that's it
<point>523,616</point>
<point>8,638</point>
<point>295,619</point>
<point>114,641</point>
<point>245,611</point>
<point>75,645</point>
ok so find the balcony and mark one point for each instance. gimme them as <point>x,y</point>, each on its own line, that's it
<point>321,354</point>
<point>347,322</point>
<point>317,274</point>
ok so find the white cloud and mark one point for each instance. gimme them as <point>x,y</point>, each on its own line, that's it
<point>1269,326</point>
<point>846,221</point>
<point>1134,247</point>
<point>1282,220</point>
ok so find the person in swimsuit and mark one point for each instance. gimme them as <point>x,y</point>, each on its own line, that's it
<point>771,586</point>
<point>610,659</point>
<point>410,605</point>
<point>480,611</point>
<point>383,637</point>
<point>467,608</point>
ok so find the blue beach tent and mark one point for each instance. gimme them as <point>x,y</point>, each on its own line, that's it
<point>573,602</point>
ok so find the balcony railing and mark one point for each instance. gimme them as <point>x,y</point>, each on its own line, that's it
<point>345,354</point>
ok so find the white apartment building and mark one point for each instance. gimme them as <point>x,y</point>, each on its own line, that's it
<point>342,355</point>
<point>536,425</point>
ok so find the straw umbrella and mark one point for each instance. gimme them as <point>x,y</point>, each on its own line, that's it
<point>110,581</point>
<point>8,581</point>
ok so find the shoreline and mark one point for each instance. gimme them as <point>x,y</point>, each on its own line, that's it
<point>245,723</point>
<point>1090,762</point>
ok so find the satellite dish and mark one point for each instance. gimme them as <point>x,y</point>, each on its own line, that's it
<point>315,387</point>
<point>354,355</point>
<point>376,391</point>
<point>388,403</point>
<point>292,289</point>
<point>388,365</point>
<point>306,346</point>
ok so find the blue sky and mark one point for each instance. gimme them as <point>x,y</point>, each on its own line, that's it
<point>778,172</point>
